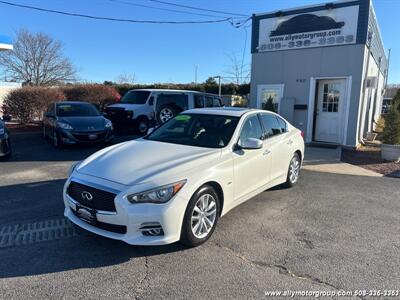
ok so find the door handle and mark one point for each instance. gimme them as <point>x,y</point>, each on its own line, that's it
<point>289,142</point>
<point>266,152</point>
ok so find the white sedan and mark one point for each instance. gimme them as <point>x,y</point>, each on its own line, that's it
<point>173,184</point>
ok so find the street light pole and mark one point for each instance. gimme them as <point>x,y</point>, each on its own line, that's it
<point>219,84</point>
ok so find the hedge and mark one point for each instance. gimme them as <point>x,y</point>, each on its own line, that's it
<point>29,103</point>
<point>98,94</point>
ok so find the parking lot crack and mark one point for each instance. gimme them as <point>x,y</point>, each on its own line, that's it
<point>144,282</point>
<point>283,269</point>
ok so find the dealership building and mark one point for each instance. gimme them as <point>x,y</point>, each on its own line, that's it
<point>324,68</point>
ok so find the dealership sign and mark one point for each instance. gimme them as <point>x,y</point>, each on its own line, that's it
<point>329,27</point>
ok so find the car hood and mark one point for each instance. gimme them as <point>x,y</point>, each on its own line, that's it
<point>85,123</point>
<point>142,161</point>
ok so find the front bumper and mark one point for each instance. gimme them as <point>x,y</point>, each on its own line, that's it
<point>85,137</point>
<point>132,216</point>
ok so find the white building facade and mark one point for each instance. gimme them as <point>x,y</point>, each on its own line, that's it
<point>323,66</point>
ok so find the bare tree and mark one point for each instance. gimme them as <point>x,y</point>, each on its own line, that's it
<point>37,59</point>
<point>237,72</point>
<point>126,78</point>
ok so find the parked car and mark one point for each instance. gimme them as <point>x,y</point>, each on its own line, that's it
<point>75,122</point>
<point>5,144</point>
<point>174,183</point>
<point>143,108</point>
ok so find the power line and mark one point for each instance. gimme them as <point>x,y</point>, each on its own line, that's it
<point>165,9</point>
<point>114,19</point>
<point>199,8</point>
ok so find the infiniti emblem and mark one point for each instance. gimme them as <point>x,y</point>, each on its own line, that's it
<point>86,196</point>
<point>90,128</point>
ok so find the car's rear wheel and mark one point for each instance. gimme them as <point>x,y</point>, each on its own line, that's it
<point>293,171</point>
<point>201,217</point>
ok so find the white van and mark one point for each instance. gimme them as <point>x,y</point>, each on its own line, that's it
<point>143,108</point>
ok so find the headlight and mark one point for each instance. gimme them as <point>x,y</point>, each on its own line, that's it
<point>108,124</point>
<point>129,114</point>
<point>64,125</point>
<point>158,195</point>
<point>73,167</point>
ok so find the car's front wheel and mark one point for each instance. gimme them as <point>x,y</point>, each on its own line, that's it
<point>293,171</point>
<point>57,141</point>
<point>143,126</point>
<point>201,217</point>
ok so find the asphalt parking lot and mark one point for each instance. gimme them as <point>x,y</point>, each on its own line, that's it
<point>330,232</point>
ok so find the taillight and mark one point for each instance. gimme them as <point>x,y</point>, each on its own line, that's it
<point>302,134</point>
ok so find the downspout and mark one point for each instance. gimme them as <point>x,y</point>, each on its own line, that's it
<point>364,87</point>
<point>376,95</point>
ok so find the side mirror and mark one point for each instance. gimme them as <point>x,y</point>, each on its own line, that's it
<point>251,144</point>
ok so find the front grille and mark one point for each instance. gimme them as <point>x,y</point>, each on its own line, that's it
<point>118,115</point>
<point>84,136</point>
<point>106,226</point>
<point>102,200</point>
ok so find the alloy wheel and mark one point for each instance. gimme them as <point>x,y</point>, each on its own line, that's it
<point>203,216</point>
<point>142,126</point>
<point>166,114</point>
<point>294,169</point>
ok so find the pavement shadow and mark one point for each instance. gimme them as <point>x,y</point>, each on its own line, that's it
<point>33,206</point>
<point>31,146</point>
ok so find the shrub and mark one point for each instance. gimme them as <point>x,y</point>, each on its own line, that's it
<point>28,103</point>
<point>391,132</point>
<point>98,94</point>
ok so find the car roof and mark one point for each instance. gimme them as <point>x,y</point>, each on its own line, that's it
<point>223,111</point>
<point>172,90</point>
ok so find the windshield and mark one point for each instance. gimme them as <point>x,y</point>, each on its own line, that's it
<point>210,131</point>
<point>77,110</point>
<point>135,97</point>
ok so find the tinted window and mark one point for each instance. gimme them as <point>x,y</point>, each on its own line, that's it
<point>209,101</point>
<point>282,124</point>
<point>251,129</point>
<point>198,101</point>
<point>180,100</point>
<point>216,102</point>
<point>76,110</point>
<point>211,131</point>
<point>151,101</point>
<point>135,97</point>
<point>270,124</point>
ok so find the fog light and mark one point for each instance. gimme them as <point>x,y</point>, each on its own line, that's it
<point>151,229</point>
